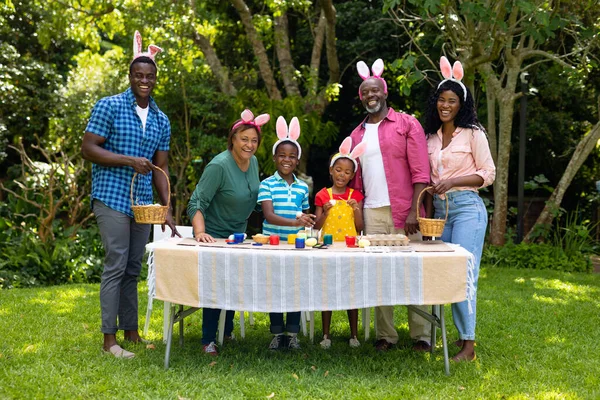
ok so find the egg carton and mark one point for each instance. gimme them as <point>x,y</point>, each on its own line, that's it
<point>388,240</point>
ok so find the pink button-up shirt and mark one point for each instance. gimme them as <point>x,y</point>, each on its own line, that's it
<point>467,154</point>
<point>404,152</point>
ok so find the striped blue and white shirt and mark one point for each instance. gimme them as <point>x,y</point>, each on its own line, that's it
<point>287,201</point>
<point>115,118</point>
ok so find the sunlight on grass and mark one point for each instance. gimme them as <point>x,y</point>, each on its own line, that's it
<point>520,280</point>
<point>555,339</point>
<point>550,300</point>
<point>567,289</point>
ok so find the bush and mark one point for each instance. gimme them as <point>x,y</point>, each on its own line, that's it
<point>25,261</point>
<point>536,256</point>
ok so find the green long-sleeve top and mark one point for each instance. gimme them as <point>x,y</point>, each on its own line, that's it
<point>225,195</point>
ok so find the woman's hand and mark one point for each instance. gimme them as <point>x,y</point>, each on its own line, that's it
<point>443,186</point>
<point>326,207</point>
<point>204,237</point>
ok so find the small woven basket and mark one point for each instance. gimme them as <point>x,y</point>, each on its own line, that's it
<point>151,214</point>
<point>431,226</point>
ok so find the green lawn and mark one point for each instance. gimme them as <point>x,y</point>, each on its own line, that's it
<point>538,337</point>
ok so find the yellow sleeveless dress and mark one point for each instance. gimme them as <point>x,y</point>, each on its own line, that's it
<point>340,220</point>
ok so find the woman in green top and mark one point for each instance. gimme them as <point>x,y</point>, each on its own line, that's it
<point>224,199</point>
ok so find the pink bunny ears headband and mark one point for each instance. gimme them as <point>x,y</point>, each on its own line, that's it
<point>345,152</point>
<point>454,74</point>
<point>288,135</point>
<point>137,48</point>
<point>364,73</point>
<point>248,119</point>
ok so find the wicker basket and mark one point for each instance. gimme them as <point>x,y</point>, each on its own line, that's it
<point>151,214</point>
<point>431,226</point>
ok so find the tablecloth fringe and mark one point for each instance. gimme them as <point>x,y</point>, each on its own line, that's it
<point>151,280</point>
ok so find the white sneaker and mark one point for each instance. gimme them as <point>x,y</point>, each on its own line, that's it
<point>354,342</point>
<point>326,342</point>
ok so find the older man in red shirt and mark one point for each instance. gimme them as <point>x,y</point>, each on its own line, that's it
<point>392,172</point>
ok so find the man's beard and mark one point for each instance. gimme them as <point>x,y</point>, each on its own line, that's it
<point>376,109</point>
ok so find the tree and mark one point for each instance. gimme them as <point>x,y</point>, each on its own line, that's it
<point>499,40</point>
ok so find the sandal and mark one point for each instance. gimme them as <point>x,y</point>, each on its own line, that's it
<point>119,352</point>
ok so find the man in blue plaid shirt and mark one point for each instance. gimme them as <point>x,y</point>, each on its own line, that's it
<point>126,133</point>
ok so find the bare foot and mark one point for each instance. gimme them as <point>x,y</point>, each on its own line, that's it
<point>467,352</point>
<point>133,337</point>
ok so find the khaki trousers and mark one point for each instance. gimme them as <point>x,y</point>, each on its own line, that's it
<point>379,221</point>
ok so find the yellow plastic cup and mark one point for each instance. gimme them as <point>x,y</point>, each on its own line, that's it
<point>292,238</point>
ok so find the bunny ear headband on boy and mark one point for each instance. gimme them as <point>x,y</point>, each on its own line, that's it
<point>454,74</point>
<point>364,73</point>
<point>137,48</point>
<point>288,135</point>
<point>248,119</point>
<point>345,152</point>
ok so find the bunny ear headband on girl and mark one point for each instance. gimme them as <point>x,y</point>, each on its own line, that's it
<point>288,135</point>
<point>345,152</point>
<point>137,49</point>
<point>454,74</point>
<point>248,119</point>
<point>364,73</point>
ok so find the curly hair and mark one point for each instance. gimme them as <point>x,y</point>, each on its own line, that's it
<point>466,117</point>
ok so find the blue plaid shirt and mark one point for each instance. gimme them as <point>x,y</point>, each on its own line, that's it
<point>115,118</point>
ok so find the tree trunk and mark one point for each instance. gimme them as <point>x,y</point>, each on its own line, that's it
<point>215,65</point>
<point>259,49</point>
<point>491,125</point>
<point>582,151</point>
<point>332,58</point>
<point>315,59</point>
<point>282,47</point>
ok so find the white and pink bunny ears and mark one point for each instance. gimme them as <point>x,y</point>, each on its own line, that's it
<point>364,73</point>
<point>248,119</point>
<point>346,153</point>
<point>454,74</point>
<point>288,135</point>
<point>137,48</point>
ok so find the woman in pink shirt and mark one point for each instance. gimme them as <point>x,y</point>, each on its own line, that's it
<point>461,163</point>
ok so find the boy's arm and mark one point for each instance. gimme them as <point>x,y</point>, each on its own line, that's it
<point>274,219</point>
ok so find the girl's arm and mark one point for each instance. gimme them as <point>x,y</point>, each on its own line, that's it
<point>357,208</point>
<point>320,217</point>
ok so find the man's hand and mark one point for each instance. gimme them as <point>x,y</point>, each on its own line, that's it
<point>171,225</point>
<point>141,165</point>
<point>411,226</point>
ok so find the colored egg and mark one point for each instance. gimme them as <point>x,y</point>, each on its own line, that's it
<point>364,243</point>
<point>310,242</point>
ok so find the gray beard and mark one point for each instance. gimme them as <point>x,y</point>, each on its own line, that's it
<point>375,109</point>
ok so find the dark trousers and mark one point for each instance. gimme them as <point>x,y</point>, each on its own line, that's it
<point>124,243</point>
<point>210,324</point>
<point>278,326</point>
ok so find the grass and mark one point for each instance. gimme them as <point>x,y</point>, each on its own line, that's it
<point>538,338</point>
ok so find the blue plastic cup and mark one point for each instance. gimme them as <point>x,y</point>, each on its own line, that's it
<point>238,237</point>
<point>300,243</point>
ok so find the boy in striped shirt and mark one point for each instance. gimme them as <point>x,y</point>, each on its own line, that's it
<point>283,198</point>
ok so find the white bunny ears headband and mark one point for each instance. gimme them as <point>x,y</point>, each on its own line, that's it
<point>248,119</point>
<point>346,153</point>
<point>454,74</point>
<point>364,73</point>
<point>137,49</point>
<point>288,135</point>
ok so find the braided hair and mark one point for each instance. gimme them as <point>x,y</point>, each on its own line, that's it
<point>466,117</point>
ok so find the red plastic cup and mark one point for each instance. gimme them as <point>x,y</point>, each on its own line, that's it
<point>350,241</point>
<point>274,240</point>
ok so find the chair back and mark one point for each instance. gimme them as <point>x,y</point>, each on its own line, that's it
<point>158,234</point>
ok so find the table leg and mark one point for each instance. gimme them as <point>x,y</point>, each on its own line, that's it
<point>242,325</point>
<point>312,327</point>
<point>166,319</point>
<point>366,321</point>
<point>148,314</point>
<point>303,322</point>
<point>435,313</point>
<point>181,325</point>
<point>251,319</point>
<point>221,328</point>
<point>444,342</point>
<point>168,336</point>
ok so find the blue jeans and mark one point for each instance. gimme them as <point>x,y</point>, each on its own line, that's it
<point>292,325</point>
<point>466,225</point>
<point>210,324</point>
